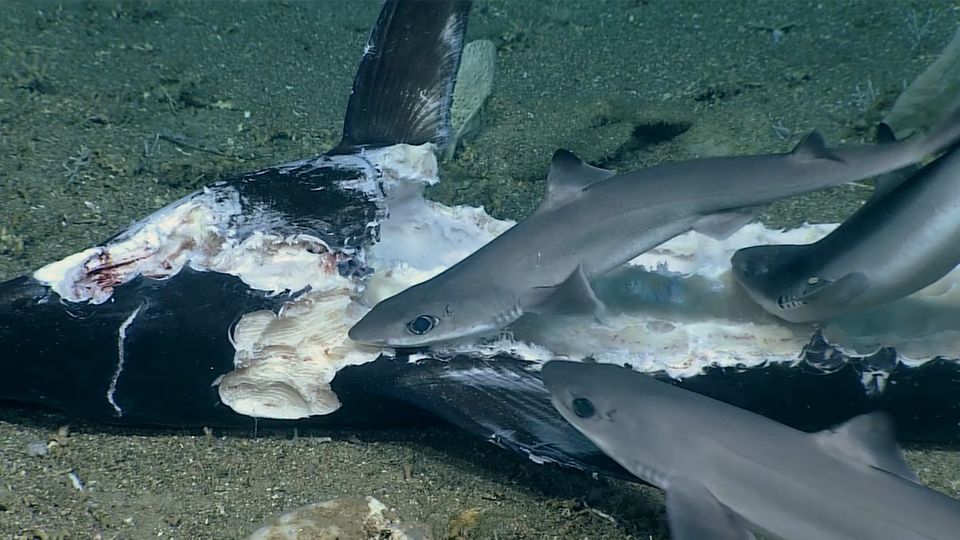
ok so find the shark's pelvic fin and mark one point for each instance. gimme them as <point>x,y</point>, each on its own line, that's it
<point>695,514</point>
<point>574,295</point>
<point>812,147</point>
<point>869,439</point>
<point>403,89</point>
<point>568,177</point>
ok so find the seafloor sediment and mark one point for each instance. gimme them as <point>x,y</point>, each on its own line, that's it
<point>110,110</point>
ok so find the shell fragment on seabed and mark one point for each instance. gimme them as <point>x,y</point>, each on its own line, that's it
<point>349,517</point>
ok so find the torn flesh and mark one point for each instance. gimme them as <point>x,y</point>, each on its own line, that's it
<point>198,232</point>
<point>677,310</point>
<point>284,361</point>
<point>674,309</point>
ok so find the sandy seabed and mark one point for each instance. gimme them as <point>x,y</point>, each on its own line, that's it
<point>109,110</point>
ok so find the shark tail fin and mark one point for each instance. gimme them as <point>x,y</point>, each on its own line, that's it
<point>403,89</point>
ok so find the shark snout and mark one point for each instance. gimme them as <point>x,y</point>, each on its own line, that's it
<point>363,332</point>
<point>746,264</point>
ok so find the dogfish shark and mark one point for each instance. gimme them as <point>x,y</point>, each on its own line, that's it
<point>231,306</point>
<point>903,239</point>
<point>592,221</point>
<point>728,473</point>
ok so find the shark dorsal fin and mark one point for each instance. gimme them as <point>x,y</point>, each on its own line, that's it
<point>885,183</point>
<point>885,134</point>
<point>813,146</point>
<point>867,439</point>
<point>569,175</point>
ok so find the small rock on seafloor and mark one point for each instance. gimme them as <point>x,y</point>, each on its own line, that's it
<point>37,449</point>
<point>346,518</point>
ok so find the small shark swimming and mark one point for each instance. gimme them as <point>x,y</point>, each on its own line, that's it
<point>902,240</point>
<point>592,221</point>
<point>728,473</point>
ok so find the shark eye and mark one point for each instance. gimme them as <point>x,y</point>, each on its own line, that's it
<point>422,324</point>
<point>583,408</point>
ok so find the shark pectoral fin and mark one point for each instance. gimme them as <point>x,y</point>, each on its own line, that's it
<point>721,226</point>
<point>574,295</point>
<point>694,514</point>
<point>813,147</point>
<point>868,439</point>
<point>569,175</point>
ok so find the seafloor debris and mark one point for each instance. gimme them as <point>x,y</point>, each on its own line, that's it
<point>349,517</point>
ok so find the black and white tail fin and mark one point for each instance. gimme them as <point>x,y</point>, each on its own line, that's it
<point>403,88</point>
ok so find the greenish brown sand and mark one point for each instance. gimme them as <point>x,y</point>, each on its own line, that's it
<point>92,93</point>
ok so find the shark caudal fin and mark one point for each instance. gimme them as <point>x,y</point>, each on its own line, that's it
<point>403,89</point>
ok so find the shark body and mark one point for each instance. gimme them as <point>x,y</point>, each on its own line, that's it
<point>899,242</point>
<point>728,473</point>
<point>592,221</point>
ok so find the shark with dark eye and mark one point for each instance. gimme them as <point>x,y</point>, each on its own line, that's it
<point>592,221</point>
<point>729,473</point>
<point>902,240</point>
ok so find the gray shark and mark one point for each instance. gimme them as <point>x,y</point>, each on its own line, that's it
<point>900,241</point>
<point>592,221</point>
<point>729,473</point>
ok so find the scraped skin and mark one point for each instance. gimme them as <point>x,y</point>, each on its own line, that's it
<point>591,222</point>
<point>900,242</point>
<point>729,473</point>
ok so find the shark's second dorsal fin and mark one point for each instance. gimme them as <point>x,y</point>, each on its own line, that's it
<point>569,175</point>
<point>885,134</point>
<point>867,439</point>
<point>403,89</point>
<point>886,183</point>
<point>813,146</point>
